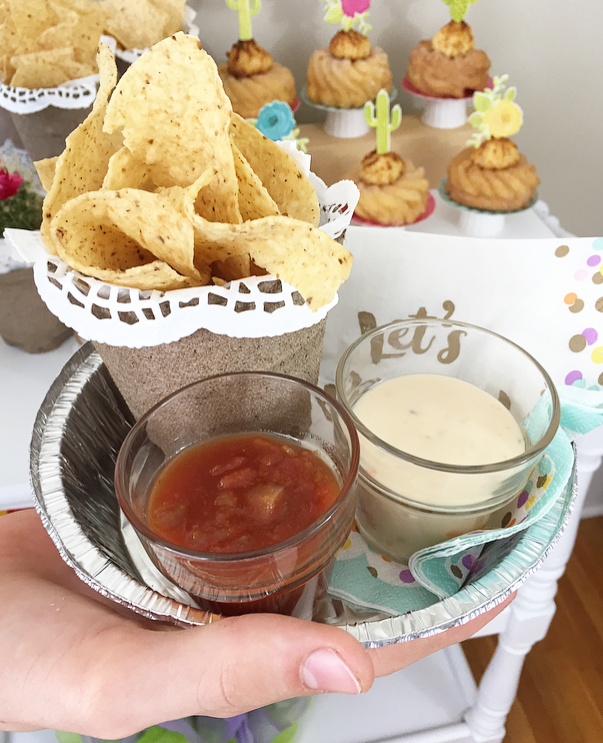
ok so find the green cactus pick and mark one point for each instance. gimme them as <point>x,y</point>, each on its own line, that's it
<point>381,121</point>
<point>245,12</point>
<point>458,8</point>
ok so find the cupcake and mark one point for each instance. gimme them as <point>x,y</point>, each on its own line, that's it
<point>251,78</point>
<point>350,71</point>
<point>392,190</point>
<point>490,173</point>
<point>449,65</point>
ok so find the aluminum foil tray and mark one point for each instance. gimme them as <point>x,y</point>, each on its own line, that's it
<point>76,437</point>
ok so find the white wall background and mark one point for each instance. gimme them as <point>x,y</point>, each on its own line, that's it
<point>552,50</point>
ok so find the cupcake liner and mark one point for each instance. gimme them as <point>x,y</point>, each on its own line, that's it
<point>480,222</point>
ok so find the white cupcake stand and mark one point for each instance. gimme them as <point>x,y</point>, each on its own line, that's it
<point>440,113</point>
<point>344,123</point>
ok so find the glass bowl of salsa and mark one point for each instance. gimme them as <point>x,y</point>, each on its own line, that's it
<point>242,488</point>
<point>452,419</point>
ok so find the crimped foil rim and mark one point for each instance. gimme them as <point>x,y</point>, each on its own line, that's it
<point>107,578</point>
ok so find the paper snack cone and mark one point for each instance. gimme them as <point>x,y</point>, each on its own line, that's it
<point>44,118</point>
<point>25,321</point>
<point>144,376</point>
<point>43,133</point>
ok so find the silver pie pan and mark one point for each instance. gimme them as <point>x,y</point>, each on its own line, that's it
<point>77,434</point>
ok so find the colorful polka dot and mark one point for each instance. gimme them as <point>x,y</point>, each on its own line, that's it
<point>347,545</point>
<point>562,251</point>
<point>456,571</point>
<point>572,377</point>
<point>593,260</point>
<point>597,355</point>
<point>570,298</point>
<point>372,571</point>
<point>549,480</point>
<point>578,306</point>
<point>580,384</point>
<point>581,274</point>
<point>577,343</point>
<point>598,243</point>
<point>530,502</point>
<point>598,278</point>
<point>590,335</point>
<point>467,561</point>
<point>599,304</point>
<point>600,380</point>
<point>406,577</point>
<point>506,518</point>
<point>523,497</point>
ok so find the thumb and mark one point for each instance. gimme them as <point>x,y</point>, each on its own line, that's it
<point>230,667</point>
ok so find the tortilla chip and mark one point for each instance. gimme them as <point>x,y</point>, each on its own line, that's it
<point>140,24</point>
<point>34,75</point>
<point>32,18</point>
<point>254,200</point>
<point>125,171</point>
<point>180,129</point>
<point>87,229</point>
<point>46,169</point>
<point>82,166</point>
<point>284,180</point>
<point>294,251</point>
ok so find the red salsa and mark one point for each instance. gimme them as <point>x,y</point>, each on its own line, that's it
<point>240,493</point>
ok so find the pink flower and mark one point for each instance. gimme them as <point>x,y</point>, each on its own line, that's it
<point>9,184</point>
<point>351,7</point>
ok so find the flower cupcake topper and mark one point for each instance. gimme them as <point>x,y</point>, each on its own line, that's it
<point>350,13</point>
<point>276,121</point>
<point>458,8</point>
<point>496,115</point>
<point>245,9</point>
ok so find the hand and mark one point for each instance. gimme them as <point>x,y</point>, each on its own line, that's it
<point>74,661</point>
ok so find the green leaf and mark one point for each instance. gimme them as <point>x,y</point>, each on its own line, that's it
<point>157,734</point>
<point>287,735</point>
<point>510,94</point>
<point>334,15</point>
<point>64,737</point>
<point>476,118</point>
<point>481,102</point>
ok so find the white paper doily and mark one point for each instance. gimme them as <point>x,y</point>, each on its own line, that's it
<point>72,94</point>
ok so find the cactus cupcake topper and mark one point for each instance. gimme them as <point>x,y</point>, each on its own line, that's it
<point>458,8</point>
<point>496,115</point>
<point>245,9</point>
<point>350,13</point>
<point>377,115</point>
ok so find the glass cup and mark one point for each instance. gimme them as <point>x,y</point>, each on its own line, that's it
<point>406,503</point>
<point>290,577</point>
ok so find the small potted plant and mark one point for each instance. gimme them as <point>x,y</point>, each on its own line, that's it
<point>25,321</point>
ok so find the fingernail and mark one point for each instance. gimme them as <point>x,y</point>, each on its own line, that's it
<point>325,671</point>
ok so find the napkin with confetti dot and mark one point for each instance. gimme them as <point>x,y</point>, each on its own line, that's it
<point>546,295</point>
